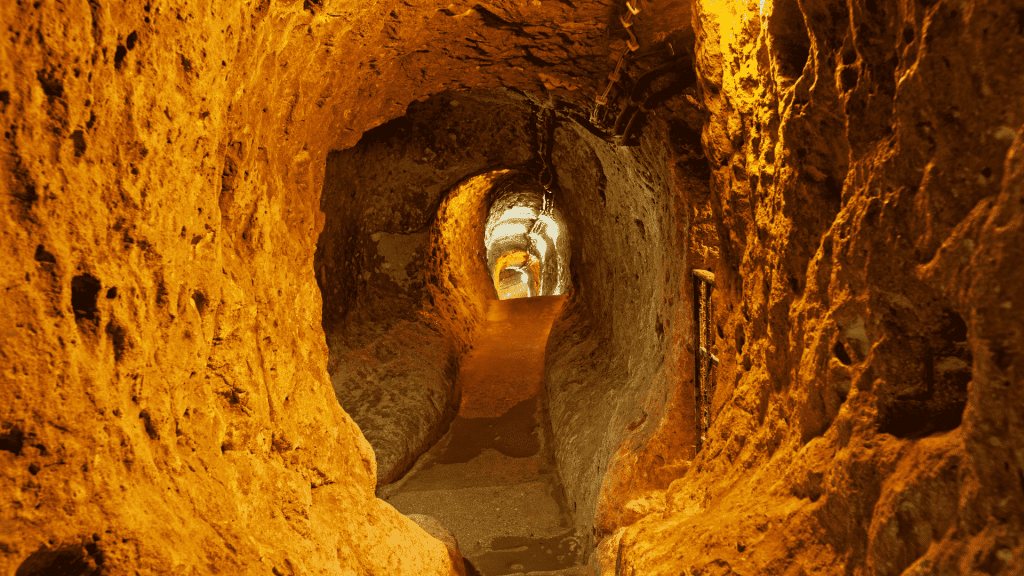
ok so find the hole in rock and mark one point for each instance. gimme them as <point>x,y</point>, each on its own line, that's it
<point>931,395</point>
<point>78,141</point>
<point>12,440</point>
<point>526,244</point>
<point>463,299</point>
<point>119,55</point>
<point>84,291</point>
<point>43,256</point>
<point>201,301</point>
<point>52,85</point>
<point>790,42</point>
<point>70,560</point>
<point>841,354</point>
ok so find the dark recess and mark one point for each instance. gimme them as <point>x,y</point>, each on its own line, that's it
<point>130,41</point>
<point>43,256</point>
<point>937,403</point>
<point>72,560</point>
<point>201,301</point>
<point>840,351</point>
<point>12,440</point>
<point>913,418</point>
<point>953,328</point>
<point>848,78</point>
<point>78,139</point>
<point>84,290</point>
<point>794,284</point>
<point>52,86</point>
<point>161,293</point>
<point>147,421</point>
<point>119,55</point>
<point>112,293</point>
<point>792,45</point>
<point>118,338</point>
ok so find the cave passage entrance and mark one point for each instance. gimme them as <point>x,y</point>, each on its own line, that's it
<point>526,245</point>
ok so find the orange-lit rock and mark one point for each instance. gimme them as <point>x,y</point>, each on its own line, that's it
<point>861,156</point>
<point>851,171</point>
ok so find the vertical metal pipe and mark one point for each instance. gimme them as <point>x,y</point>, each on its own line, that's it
<point>704,384</point>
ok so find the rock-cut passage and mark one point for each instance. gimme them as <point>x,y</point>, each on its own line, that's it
<point>491,479</point>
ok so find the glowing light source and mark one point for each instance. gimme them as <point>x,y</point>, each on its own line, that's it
<point>506,230</point>
<point>519,234</point>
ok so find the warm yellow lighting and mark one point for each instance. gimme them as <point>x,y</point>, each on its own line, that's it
<point>506,230</point>
<point>541,243</point>
<point>519,212</point>
<point>551,227</point>
<point>516,275</point>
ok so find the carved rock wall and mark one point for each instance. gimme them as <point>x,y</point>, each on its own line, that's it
<point>165,404</point>
<point>866,166</point>
<point>614,354</point>
<point>401,265</point>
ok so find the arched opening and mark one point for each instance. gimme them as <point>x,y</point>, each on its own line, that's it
<point>500,345</point>
<point>526,242</point>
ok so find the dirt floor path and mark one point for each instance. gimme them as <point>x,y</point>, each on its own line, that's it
<point>491,479</point>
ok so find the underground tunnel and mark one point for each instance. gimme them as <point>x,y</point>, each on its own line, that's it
<point>518,287</point>
<point>428,278</point>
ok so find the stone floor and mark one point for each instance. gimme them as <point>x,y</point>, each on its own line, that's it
<point>491,479</point>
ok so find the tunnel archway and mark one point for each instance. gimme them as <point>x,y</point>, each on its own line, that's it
<point>527,241</point>
<point>407,277</point>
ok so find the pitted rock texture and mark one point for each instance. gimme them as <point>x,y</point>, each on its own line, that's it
<point>856,190</point>
<point>166,401</point>
<point>866,188</point>
<point>401,263</point>
<point>619,385</point>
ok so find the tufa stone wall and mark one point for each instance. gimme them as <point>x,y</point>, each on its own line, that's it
<point>165,404</point>
<point>865,163</point>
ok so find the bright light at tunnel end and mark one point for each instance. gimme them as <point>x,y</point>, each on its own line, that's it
<point>525,247</point>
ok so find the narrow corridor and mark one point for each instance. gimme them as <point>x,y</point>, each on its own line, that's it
<point>491,479</point>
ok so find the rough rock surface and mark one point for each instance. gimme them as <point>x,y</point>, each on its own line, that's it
<point>438,530</point>
<point>613,365</point>
<point>867,194</point>
<point>165,404</point>
<point>403,288</point>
